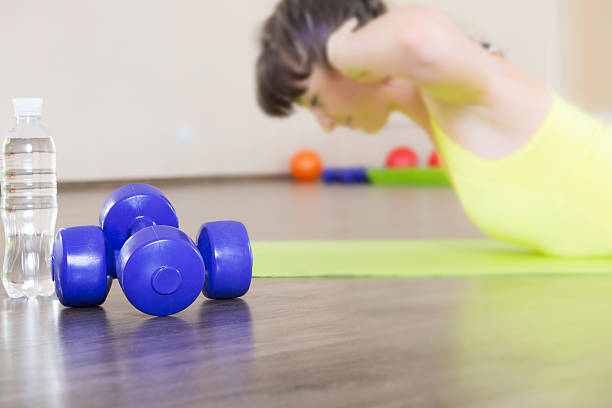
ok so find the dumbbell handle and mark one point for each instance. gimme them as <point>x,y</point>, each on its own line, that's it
<point>140,223</point>
<point>113,257</point>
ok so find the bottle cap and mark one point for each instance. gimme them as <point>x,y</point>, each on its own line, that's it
<point>27,106</point>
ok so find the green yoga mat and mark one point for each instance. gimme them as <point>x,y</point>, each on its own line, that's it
<point>406,259</point>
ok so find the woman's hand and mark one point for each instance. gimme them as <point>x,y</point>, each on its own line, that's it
<point>345,54</point>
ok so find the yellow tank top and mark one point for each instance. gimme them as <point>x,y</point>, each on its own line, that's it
<point>554,195</point>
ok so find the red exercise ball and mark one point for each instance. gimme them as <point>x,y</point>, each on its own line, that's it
<point>306,165</point>
<point>402,157</point>
<point>434,160</point>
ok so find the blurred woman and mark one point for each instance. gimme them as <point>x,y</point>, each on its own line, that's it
<point>528,167</point>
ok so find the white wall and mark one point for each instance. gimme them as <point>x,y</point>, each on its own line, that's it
<point>162,88</point>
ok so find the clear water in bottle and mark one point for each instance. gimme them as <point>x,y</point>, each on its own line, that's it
<point>29,203</point>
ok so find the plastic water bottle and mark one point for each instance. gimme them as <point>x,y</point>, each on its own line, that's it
<point>29,203</point>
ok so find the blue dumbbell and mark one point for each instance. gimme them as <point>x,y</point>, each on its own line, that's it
<point>226,250</point>
<point>159,268</point>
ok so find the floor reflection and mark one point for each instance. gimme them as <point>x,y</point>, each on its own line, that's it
<point>534,342</point>
<point>85,337</point>
<point>161,345</point>
<point>227,339</point>
<point>27,328</point>
<point>208,348</point>
<point>229,324</point>
<point>228,333</point>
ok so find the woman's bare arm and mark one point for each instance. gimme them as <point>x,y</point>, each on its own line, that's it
<point>416,43</point>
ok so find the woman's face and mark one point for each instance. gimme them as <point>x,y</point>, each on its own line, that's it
<point>336,100</point>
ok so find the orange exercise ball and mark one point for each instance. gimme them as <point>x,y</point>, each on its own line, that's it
<point>306,165</point>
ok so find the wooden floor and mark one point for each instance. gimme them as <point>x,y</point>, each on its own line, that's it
<point>504,342</point>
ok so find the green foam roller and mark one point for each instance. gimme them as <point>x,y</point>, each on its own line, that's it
<point>414,177</point>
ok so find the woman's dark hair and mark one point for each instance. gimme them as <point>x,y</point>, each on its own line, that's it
<point>293,41</point>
